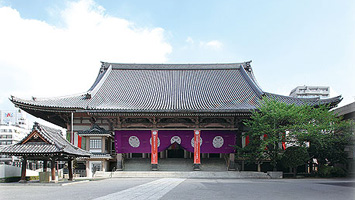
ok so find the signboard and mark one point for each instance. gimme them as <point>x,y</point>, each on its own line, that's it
<point>8,117</point>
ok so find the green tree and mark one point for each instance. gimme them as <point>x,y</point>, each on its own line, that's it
<point>326,134</point>
<point>305,126</point>
<point>267,128</point>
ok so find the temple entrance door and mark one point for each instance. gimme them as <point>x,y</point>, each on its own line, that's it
<point>175,151</point>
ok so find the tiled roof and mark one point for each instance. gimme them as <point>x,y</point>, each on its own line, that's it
<point>161,87</point>
<point>172,88</point>
<point>95,130</point>
<point>301,101</point>
<point>55,144</point>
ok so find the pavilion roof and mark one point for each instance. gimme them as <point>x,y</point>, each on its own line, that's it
<point>165,88</point>
<point>43,140</point>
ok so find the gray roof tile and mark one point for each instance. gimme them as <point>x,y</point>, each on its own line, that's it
<point>165,88</point>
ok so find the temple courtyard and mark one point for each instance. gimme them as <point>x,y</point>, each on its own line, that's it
<point>181,188</point>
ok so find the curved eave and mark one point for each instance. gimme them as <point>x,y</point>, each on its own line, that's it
<point>331,102</point>
<point>47,113</point>
<point>42,154</point>
<point>37,106</point>
<point>56,153</point>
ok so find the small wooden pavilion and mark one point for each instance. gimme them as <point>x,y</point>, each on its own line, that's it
<point>46,144</point>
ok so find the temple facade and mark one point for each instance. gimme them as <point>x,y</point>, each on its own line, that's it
<point>160,111</point>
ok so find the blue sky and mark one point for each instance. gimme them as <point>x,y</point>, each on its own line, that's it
<point>54,48</point>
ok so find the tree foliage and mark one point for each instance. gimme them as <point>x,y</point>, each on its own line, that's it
<point>294,156</point>
<point>271,120</point>
<point>305,126</point>
<point>326,133</point>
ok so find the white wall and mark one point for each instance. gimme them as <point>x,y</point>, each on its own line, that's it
<point>10,171</point>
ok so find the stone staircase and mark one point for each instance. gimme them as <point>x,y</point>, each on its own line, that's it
<point>179,168</point>
<point>174,164</point>
<point>183,174</point>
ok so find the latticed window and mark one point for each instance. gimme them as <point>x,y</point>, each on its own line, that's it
<point>95,144</point>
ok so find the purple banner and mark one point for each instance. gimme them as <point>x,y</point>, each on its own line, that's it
<point>134,141</point>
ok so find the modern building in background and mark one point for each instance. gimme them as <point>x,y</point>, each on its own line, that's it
<point>311,92</point>
<point>13,128</point>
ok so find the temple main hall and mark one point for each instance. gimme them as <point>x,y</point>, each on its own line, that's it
<point>157,112</point>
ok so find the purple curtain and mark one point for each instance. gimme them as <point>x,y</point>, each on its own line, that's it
<point>134,141</point>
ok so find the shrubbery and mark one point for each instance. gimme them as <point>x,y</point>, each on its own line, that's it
<point>17,179</point>
<point>331,171</point>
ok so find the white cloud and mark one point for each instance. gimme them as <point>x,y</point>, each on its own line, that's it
<point>189,40</point>
<point>214,44</point>
<point>44,60</point>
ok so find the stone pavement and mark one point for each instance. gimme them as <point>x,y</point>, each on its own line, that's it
<point>184,174</point>
<point>181,188</point>
<point>151,191</point>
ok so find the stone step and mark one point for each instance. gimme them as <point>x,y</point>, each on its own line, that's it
<point>174,164</point>
<point>190,174</point>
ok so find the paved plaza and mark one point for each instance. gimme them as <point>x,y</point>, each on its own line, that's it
<point>180,188</point>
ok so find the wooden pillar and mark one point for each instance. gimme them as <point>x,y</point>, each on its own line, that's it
<point>231,166</point>
<point>70,169</point>
<point>53,169</point>
<point>119,159</point>
<point>259,167</point>
<point>87,143</point>
<point>23,170</point>
<point>103,163</point>
<point>88,172</point>
<point>154,156</point>
<point>44,166</point>
<point>103,145</point>
<point>197,158</point>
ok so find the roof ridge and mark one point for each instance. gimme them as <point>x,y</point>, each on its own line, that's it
<point>174,66</point>
<point>58,140</point>
<point>252,84</point>
<point>50,133</point>
<point>98,83</point>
